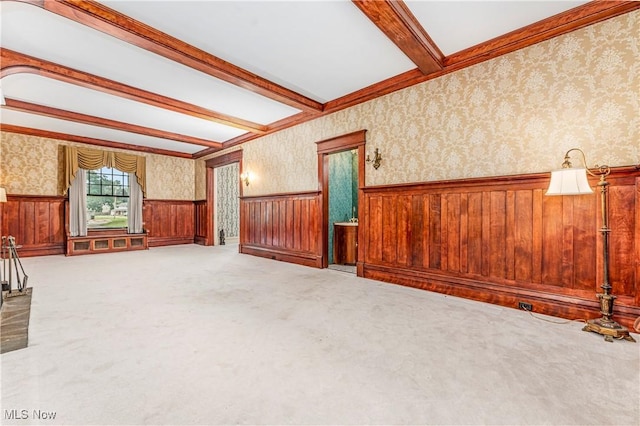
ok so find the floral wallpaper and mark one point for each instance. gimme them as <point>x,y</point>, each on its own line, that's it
<point>518,113</point>
<point>200,180</point>
<point>170,178</point>
<point>30,165</point>
<point>227,202</point>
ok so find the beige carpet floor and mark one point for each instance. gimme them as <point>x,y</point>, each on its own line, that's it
<point>203,335</point>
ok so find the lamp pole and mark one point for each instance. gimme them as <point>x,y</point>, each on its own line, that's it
<point>573,181</point>
<point>606,325</point>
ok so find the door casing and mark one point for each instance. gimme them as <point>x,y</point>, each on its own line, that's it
<point>355,140</point>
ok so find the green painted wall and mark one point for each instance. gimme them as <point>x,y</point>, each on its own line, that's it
<point>343,190</point>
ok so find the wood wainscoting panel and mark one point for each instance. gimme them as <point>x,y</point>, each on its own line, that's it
<point>501,240</point>
<point>169,222</point>
<point>282,227</point>
<point>201,221</point>
<point>36,222</point>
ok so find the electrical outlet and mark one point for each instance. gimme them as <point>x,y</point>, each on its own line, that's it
<point>525,306</point>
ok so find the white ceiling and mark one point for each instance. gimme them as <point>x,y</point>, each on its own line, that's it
<point>457,25</point>
<point>322,50</point>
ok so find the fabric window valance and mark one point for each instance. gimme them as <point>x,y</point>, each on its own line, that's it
<point>93,159</point>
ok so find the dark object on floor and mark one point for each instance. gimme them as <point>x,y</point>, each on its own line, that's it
<point>14,320</point>
<point>10,257</point>
<point>222,237</point>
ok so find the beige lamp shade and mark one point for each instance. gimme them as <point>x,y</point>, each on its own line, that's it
<point>3,195</point>
<point>570,181</point>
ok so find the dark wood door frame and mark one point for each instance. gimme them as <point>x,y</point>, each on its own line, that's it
<point>212,164</point>
<point>355,140</point>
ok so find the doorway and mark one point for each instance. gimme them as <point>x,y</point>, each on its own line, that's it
<point>223,198</point>
<point>352,147</point>
<point>343,210</point>
<point>226,213</point>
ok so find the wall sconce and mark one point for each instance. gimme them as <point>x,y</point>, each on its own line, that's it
<point>246,177</point>
<point>573,181</point>
<point>3,195</point>
<point>376,159</point>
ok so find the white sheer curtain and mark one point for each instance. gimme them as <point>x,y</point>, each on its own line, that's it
<point>134,206</point>
<point>78,205</point>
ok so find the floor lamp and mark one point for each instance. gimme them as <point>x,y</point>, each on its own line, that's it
<point>573,181</point>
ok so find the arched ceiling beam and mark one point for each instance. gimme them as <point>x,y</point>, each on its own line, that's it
<point>14,62</point>
<point>398,23</point>
<point>108,21</point>
<point>32,108</point>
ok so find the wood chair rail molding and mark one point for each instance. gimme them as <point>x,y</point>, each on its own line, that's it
<point>26,197</point>
<point>501,240</point>
<point>281,195</point>
<point>524,181</point>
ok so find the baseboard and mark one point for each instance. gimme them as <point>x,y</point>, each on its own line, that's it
<point>31,251</point>
<point>169,241</point>
<point>560,305</point>
<point>299,258</point>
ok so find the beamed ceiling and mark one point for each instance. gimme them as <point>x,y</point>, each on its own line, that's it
<point>189,78</point>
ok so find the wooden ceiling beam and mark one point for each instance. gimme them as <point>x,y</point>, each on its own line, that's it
<point>12,62</point>
<point>91,141</point>
<point>394,18</point>
<point>127,29</point>
<point>91,120</point>
<point>563,23</point>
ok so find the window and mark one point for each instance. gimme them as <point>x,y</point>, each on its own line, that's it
<point>107,198</point>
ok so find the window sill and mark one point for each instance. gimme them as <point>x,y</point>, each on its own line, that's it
<point>109,231</point>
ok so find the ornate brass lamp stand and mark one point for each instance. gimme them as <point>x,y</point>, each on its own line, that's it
<point>570,181</point>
